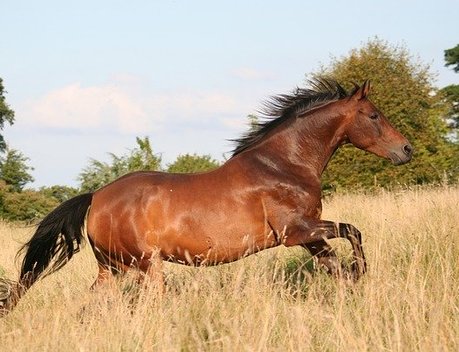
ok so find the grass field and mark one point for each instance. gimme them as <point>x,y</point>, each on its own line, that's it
<point>271,301</point>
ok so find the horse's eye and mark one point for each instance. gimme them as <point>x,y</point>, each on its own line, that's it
<point>374,116</point>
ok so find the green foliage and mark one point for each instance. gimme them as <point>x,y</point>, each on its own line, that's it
<point>452,57</point>
<point>6,114</point>
<point>30,205</point>
<point>100,173</point>
<point>27,205</point>
<point>451,94</point>
<point>143,157</point>
<point>193,163</point>
<point>59,193</point>
<point>253,121</point>
<point>14,170</point>
<point>15,203</point>
<point>404,92</point>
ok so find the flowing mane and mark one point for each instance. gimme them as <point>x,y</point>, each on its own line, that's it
<point>282,107</point>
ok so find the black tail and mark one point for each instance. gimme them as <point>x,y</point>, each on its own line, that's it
<point>57,238</point>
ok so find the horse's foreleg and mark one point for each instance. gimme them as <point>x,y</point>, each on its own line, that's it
<point>310,232</point>
<point>325,257</point>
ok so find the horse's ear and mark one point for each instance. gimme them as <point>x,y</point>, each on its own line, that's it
<point>363,91</point>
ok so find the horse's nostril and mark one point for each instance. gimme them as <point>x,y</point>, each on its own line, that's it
<point>408,149</point>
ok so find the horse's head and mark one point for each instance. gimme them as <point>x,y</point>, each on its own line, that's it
<point>368,129</point>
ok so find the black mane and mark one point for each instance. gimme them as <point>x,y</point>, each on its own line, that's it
<point>281,107</point>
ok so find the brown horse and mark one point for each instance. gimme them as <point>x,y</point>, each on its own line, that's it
<point>267,194</point>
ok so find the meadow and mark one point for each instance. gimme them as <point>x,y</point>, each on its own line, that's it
<point>271,301</point>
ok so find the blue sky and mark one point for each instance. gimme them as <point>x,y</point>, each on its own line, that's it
<point>86,77</point>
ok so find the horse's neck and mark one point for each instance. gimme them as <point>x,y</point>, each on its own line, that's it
<point>321,137</point>
<point>306,146</point>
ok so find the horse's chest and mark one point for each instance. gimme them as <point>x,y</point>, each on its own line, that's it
<point>293,201</point>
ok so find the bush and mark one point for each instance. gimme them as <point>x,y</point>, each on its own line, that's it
<point>28,205</point>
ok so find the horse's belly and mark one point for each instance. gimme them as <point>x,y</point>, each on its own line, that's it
<point>213,245</point>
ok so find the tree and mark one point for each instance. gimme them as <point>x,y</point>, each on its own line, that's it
<point>6,114</point>
<point>59,193</point>
<point>14,170</point>
<point>143,157</point>
<point>451,92</point>
<point>27,205</point>
<point>451,96</point>
<point>253,121</point>
<point>99,173</point>
<point>403,90</point>
<point>193,163</point>
<point>452,57</point>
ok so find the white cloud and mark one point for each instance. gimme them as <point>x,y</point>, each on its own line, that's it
<point>78,107</point>
<point>126,105</point>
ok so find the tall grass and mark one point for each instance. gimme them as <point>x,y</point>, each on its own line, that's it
<point>408,301</point>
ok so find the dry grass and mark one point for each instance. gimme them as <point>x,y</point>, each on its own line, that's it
<point>408,301</point>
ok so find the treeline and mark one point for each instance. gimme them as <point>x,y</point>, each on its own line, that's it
<point>98,173</point>
<point>403,88</point>
<point>19,204</point>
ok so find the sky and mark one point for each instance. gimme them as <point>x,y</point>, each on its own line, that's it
<point>86,77</point>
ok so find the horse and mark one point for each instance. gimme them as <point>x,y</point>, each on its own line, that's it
<point>267,194</point>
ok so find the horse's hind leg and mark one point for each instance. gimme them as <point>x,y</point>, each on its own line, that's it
<point>107,271</point>
<point>153,273</point>
<point>106,274</point>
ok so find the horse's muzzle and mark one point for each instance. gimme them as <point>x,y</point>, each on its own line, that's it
<point>402,155</point>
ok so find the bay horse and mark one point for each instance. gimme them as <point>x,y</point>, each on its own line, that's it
<point>267,194</point>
